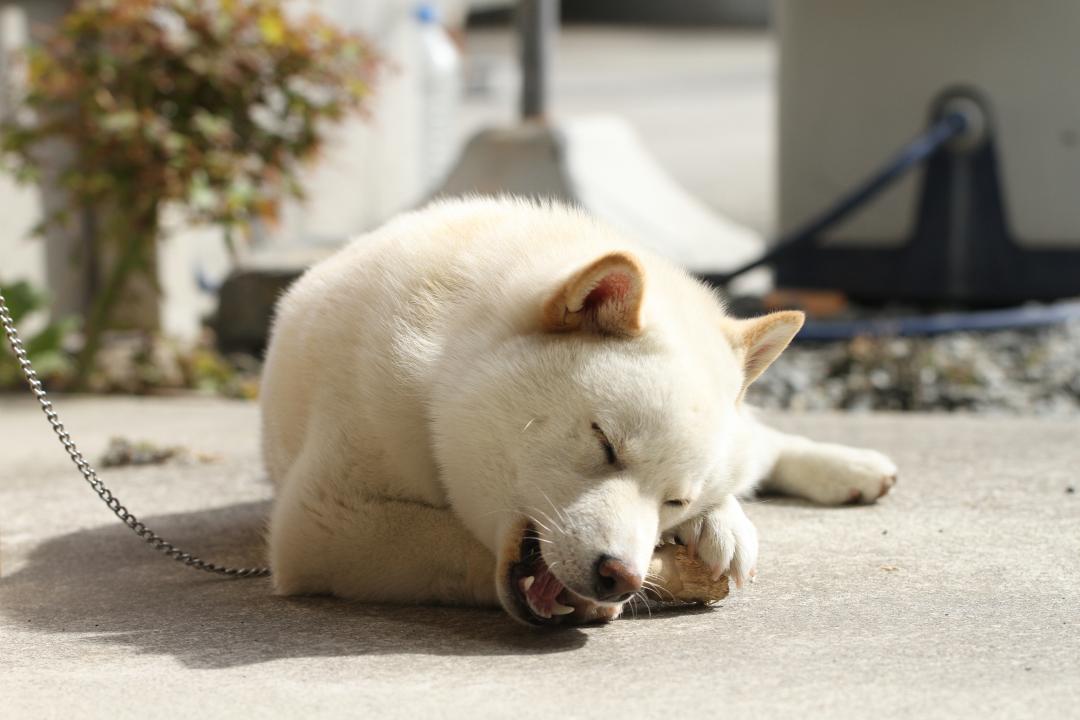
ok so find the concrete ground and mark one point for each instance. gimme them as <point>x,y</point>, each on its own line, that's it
<point>955,597</point>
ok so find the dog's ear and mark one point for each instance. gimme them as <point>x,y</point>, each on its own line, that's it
<point>604,297</point>
<point>759,341</point>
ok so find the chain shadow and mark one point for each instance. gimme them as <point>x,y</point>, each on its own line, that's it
<point>101,586</point>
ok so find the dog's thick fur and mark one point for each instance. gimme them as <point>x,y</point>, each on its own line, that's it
<point>485,368</point>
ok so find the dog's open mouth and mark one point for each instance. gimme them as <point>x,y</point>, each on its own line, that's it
<point>541,597</point>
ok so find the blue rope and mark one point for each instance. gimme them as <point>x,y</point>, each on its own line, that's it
<point>911,155</point>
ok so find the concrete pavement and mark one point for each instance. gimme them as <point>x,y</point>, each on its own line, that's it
<point>955,597</point>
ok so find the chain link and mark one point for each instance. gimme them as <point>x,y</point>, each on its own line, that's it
<point>90,475</point>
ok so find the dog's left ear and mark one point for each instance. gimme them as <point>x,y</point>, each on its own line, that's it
<point>605,297</point>
<point>759,341</point>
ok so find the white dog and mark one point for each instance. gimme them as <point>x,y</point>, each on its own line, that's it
<point>490,401</point>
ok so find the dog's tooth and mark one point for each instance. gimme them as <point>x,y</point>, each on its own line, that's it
<point>538,611</point>
<point>527,583</point>
<point>558,609</point>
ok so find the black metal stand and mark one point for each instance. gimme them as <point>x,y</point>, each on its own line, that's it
<point>961,250</point>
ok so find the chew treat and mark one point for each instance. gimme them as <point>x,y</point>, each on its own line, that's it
<point>683,578</point>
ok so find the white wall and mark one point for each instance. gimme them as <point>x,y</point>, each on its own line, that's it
<point>21,257</point>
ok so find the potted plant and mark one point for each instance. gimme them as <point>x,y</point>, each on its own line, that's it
<point>207,106</point>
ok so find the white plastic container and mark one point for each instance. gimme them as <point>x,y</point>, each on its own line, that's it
<point>440,85</point>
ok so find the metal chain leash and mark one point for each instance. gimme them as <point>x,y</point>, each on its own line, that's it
<point>90,475</point>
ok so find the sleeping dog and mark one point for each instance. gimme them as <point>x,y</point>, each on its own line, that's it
<point>494,402</point>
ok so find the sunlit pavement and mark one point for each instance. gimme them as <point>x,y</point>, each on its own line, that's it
<point>953,597</point>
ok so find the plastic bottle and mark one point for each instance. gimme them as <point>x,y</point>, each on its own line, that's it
<point>441,85</point>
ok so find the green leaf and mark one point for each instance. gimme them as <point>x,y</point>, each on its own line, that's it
<point>22,299</point>
<point>272,27</point>
<point>50,339</point>
<point>120,122</point>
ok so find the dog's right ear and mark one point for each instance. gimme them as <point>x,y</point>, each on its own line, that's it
<point>605,297</point>
<point>759,341</point>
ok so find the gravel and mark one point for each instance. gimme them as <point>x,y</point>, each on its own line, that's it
<point>1005,372</point>
<point>1029,372</point>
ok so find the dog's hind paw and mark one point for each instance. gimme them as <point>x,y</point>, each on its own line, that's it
<point>838,475</point>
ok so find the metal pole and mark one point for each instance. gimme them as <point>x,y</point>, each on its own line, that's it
<point>537,23</point>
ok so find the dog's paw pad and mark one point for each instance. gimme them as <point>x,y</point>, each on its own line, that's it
<point>887,484</point>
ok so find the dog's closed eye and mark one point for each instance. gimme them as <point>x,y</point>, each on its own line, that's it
<point>609,449</point>
<point>676,503</point>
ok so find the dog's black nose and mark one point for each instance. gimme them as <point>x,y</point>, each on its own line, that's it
<point>613,580</point>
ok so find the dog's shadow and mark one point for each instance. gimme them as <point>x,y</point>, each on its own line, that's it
<point>103,586</point>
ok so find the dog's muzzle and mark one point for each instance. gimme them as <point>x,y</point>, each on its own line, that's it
<point>534,594</point>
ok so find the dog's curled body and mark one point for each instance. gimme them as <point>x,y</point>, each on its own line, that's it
<point>493,401</point>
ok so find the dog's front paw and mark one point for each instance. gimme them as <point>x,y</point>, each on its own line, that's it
<point>724,539</point>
